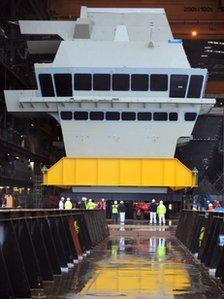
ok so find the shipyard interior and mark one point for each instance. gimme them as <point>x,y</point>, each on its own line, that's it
<point>112,149</point>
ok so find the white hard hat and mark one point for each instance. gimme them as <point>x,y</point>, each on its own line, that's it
<point>90,200</point>
<point>115,202</point>
<point>153,200</point>
<point>62,197</point>
<point>161,201</point>
<point>68,198</point>
<point>122,201</point>
<point>84,198</point>
<point>102,199</point>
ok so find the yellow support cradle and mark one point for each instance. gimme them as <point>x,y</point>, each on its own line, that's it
<point>129,172</point>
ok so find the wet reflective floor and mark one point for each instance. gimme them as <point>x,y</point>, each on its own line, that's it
<point>138,262</point>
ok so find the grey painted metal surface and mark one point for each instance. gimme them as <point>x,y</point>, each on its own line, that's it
<point>115,41</point>
<point>119,190</point>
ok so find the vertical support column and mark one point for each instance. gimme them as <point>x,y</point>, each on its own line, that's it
<point>13,260</point>
<point>69,238</point>
<point>51,248</point>
<point>41,250</point>
<point>53,223</point>
<point>73,227</point>
<point>28,253</point>
<point>5,283</point>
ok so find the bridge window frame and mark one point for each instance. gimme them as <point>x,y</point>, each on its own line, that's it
<point>82,81</point>
<point>158,82</point>
<point>190,116</point>
<point>81,115</point>
<point>63,84</point>
<point>66,115</point>
<point>46,85</point>
<point>120,82</point>
<point>139,82</point>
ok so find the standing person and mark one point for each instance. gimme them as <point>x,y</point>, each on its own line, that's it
<point>115,212</point>
<point>210,207</point>
<point>122,210</point>
<point>83,203</point>
<point>61,203</point>
<point>3,199</point>
<point>68,204</point>
<point>102,204</point>
<point>161,211</point>
<point>152,209</point>
<point>8,200</point>
<point>90,205</point>
<point>216,204</point>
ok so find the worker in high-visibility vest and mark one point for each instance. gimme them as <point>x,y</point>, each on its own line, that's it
<point>68,204</point>
<point>161,211</point>
<point>90,205</point>
<point>114,211</point>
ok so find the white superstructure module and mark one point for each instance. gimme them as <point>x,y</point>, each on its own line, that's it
<point>119,85</point>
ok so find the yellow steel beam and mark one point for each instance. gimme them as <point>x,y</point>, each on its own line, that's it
<point>135,172</point>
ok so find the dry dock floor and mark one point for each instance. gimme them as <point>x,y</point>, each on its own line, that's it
<point>141,261</point>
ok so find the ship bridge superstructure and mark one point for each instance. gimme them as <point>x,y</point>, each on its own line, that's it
<point>120,86</point>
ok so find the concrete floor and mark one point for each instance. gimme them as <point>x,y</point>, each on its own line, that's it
<point>140,262</point>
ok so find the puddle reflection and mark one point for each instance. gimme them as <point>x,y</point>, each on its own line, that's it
<point>153,267</point>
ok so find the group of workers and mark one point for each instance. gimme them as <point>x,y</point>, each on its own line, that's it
<point>157,209</point>
<point>154,209</point>
<point>212,206</point>
<point>209,206</point>
<point>118,210</point>
<point>85,204</point>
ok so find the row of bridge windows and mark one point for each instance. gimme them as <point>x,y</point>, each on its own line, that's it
<point>126,115</point>
<point>121,82</point>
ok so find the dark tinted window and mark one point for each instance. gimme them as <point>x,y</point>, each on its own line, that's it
<point>82,82</point>
<point>194,90</point>
<point>96,115</point>
<point>139,82</point>
<point>144,115</point>
<point>173,116</point>
<point>160,116</point>
<point>121,82</point>
<point>158,82</point>
<point>46,85</point>
<point>63,84</point>
<point>190,116</point>
<point>80,115</point>
<point>66,115</point>
<point>101,82</point>
<point>113,115</point>
<point>128,116</point>
<point>178,84</point>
